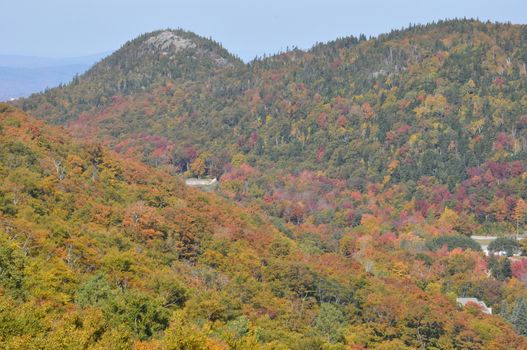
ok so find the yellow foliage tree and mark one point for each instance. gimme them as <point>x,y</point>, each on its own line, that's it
<point>448,220</point>
<point>198,167</point>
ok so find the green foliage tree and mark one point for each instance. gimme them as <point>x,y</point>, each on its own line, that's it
<point>144,316</point>
<point>452,242</point>
<point>504,310</point>
<point>94,292</point>
<point>519,316</point>
<point>12,263</point>
<point>330,321</point>
<point>509,245</point>
<point>500,268</point>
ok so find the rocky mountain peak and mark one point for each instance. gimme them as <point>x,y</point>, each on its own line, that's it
<point>167,40</point>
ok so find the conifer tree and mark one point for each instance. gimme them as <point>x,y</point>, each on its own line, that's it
<point>504,310</point>
<point>500,269</point>
<point>519,316</point>
<point>506,270</point>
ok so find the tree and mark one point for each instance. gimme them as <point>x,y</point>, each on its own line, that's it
<point>448,220</point>
<point>508,245</point>
<point>452,242</point>
<point>198,167</point>
<point>329,321</point>
<point>519,316</point>
<point>12,263</point>
<point>94,292</point>
<point>500,268</point>
<point>504,310</point>
<point>506,271</point>
<point>519,214</point>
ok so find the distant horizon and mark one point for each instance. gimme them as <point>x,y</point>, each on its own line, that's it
<point>102,54</point>
<point>248,29</point>
<point>23,75</point>
<point>7,54</point>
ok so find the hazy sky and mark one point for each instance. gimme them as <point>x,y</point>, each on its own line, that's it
<point>247,28</point>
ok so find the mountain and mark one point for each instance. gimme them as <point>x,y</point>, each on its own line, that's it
<point>352,176</point>
<point>99,251</point>
<point>21,76</point>
<point>365,92</point>
<point>441,101</point>
<point>147,62</point>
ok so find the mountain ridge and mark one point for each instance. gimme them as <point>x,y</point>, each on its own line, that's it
<point>354,75</point>
<point>351,178</point>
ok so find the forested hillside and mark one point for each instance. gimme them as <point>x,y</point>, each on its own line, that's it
<point>446,96</point>
<point>351,177</point>
<point>101,252</point>
<point>443,105</point>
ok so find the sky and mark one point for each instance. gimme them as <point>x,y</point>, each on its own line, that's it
<point>247,28</point>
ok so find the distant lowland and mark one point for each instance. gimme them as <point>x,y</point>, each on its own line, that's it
<point>21,76</point>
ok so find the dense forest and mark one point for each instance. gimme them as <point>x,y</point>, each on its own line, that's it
<point>352,176</point>
<point>445,103</point>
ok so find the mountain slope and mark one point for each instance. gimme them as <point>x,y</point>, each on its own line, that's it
<point>142,64</point>
<point>456,84</point>
<point>100,252</point>
<point>441,101</point>
<point>360,167</point>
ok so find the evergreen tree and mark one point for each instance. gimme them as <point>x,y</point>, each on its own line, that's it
<point>519,316</point>
<point>504,310</point>
<point>506,270</point>
<point>500,269</point>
